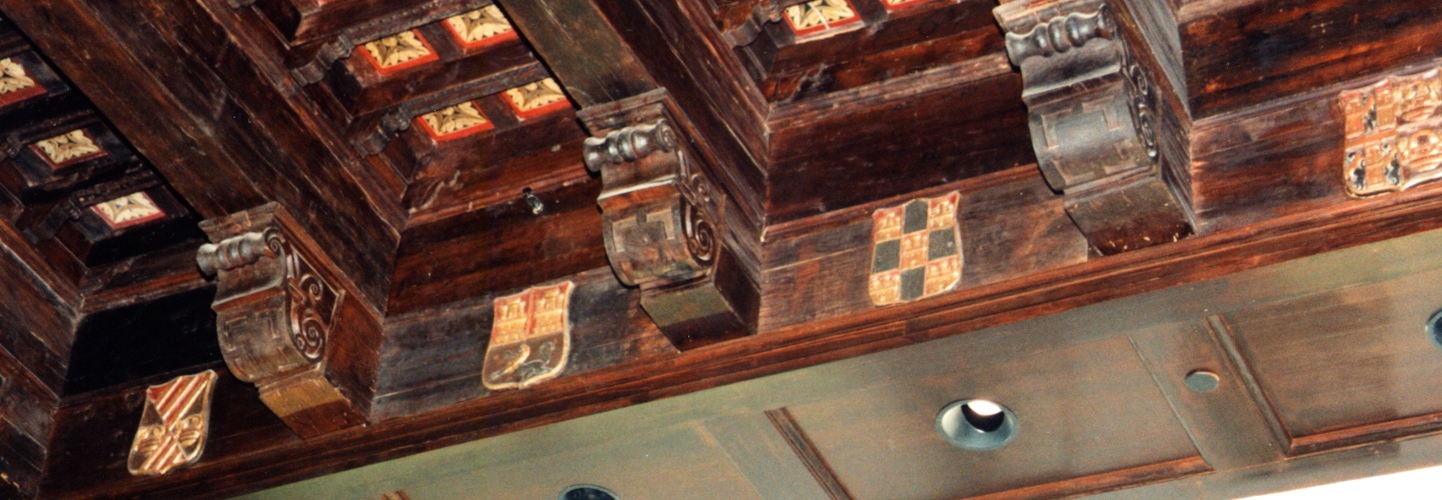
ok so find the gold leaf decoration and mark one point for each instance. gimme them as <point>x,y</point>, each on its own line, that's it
<point>13,76</point>
<point>818,15</point>
<point>533,96</point>
<point>173,425</point>
<point>68,146</point>
<point>477,26</point>
<point>129,210</point>
<point>399,49</point>
<point>455,119</point>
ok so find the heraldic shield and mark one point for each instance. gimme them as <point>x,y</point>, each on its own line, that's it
<point>916,250</point>
<point>174,426</point>
<point>530,338</point>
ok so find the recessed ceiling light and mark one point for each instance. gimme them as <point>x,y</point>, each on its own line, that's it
<point>587,492</point>
<point>976,424</point>
<point>1434,328</point>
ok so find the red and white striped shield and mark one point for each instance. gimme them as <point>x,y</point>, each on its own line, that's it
<point>173,428</point>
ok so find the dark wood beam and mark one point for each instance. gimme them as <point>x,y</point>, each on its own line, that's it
<point>206,116</point>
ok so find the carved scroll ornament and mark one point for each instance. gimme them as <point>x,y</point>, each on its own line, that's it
<point>308,309</point>
<point>1393,134</point>
<point>664,231</point>
<point>661,224</point>
<point>1094,123</point>
<point>277,316</point>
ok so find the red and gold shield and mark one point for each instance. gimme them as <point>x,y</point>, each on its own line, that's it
<point>915,250</point>
<point>530,338</point>
<point>174,426</point>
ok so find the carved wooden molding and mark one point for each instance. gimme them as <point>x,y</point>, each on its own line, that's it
<point>286,320</point>
<point>662,224</point>
<point>1393,134</point>
<point>1094,122</point>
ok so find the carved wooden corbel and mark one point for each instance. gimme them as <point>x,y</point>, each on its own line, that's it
<point>662,223</point>
<point>1094,123</point>
<point>288,322</point>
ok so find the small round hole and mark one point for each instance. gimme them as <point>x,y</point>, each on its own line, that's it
<point>976,424</point>
<point>587,492</point>
<point>1434,328</point>
<point>1202,381</point>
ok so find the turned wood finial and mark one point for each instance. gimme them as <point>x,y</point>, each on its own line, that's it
<point>629,144</point>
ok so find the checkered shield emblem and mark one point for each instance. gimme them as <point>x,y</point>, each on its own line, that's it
<point>174,425</point>
<point>916,250</point>
<point>530,338</point>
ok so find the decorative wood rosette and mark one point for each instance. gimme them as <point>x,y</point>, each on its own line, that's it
<point>130,210</point>
<point>915,250</point>
<point>530,338</point>
<point>1095,124</point>
<point>454,122</point>
<point>481,28</point>
<point>662,225</point>
<point>280,311</point>
<point>16,83</point>
<point>537,98</point>
<point>68,149</point>
<point>174,425</point>
<point>1393,134</point>
<point>818,16</point>
<point>399,51</point>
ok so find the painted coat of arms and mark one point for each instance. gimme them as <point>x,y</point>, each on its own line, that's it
<point>174,425</point>
<point>530,338</point>
<point>916,250</point>
<point>1393,134</point>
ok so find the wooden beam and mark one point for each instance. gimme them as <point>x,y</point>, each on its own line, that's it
<point>167,73</point>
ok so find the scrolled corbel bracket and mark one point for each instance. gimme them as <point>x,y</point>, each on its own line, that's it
<point>1099,127</point>
<point>663,220</point>
<point>287,321</point>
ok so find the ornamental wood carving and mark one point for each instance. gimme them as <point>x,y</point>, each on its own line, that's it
<point>1094,122</point>
<point>662,225</point>
<point>1393,134</point>
<point>174,425</point>
<point>285,321</point>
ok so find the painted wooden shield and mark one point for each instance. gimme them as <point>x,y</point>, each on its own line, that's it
<point>530,338</point>
<point>1393,134</point>
<point>916,250</point>
<point>174,425</point>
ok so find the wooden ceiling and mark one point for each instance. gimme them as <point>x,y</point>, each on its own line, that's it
<point>725,201</point>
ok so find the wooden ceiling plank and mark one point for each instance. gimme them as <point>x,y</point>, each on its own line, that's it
<point>1296,46</point>
<point>582,48</point>
<point>136,101</point>
<point>229,168</point>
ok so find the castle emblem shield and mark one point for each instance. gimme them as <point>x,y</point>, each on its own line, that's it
<point>530,338</point>
<point>916,250</point>
<point>174,425</point>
